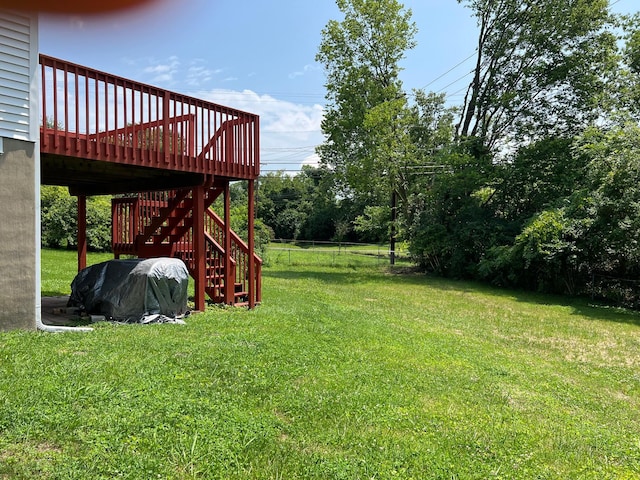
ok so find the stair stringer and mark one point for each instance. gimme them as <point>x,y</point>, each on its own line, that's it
<point>169,232</point>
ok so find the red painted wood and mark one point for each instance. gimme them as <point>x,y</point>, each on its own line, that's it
<point>92,115</point>
<point>251,266</point>
<point>229,280</point>
<point>141,124</point>
<point>163,226</point>
<point>199,247</point>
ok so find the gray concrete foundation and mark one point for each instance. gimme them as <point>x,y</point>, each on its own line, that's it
<point>19,253</point>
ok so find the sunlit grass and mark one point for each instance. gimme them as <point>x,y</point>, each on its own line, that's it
<point>331,254</point>
<point>59,268</point>
<point>343,372</point>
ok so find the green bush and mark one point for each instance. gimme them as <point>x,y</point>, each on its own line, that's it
<point>99,223</point>
<point>60,220</point>
<point>58,217</point>
<point>263,234</point>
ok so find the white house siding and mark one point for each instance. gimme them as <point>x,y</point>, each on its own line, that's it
<point>18,76</point>
<point>19,172</point>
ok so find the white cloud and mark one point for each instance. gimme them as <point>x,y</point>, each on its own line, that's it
<point>306,69</point>
<point>198,74</point>
<point>161,71</point>
<point>313,160</point>
<point>158,69</point>
<point>289,132</point>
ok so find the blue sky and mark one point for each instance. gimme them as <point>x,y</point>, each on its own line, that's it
<point>258,56</point>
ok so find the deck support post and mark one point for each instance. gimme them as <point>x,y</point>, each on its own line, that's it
<point>199,247</point>
<point>229,273</point>
<point>82,232</point>
<point>251,239</point>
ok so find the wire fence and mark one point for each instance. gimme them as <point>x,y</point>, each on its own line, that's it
<point>321,253</point>
<point>622,292</point>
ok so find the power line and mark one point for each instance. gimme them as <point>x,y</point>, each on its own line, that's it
<point>276,161</point>
<point>457,92</point>
<point>452,69</point>
<point>455,81</point>
<point>289,131</point>
<point>322,95</point>
<point>288,149</point>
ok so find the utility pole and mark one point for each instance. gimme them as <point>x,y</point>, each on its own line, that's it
<point>392,239</point>
<point>394,201</point>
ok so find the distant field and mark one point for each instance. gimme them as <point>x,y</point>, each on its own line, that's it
<point>343,372</point>
<point>331,254</point>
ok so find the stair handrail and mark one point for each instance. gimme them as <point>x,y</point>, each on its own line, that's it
<point>137,226</point>
<point>232,262</point>
<point>234,236</point>
<point>82,109</point>
<point>175,198</point>
<point>237,241</point>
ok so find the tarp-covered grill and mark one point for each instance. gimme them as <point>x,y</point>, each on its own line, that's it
<point>133,290</point>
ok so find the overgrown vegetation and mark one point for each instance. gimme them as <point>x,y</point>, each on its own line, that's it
<point>343,372</point>
<point>60,220</point>
<point>532,181</point>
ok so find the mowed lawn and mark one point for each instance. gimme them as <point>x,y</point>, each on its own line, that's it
<point>347,371</point>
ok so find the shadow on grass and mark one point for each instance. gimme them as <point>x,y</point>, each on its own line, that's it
<point>583,306</point>
<point>591,309</point>
<point>53,293</point>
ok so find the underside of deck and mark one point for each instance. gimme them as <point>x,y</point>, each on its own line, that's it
<point>94,177</point>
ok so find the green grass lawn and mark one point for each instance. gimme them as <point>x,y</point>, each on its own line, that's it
<point>344,372</point>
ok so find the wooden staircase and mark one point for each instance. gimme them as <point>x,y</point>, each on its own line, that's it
<point>161,224</point>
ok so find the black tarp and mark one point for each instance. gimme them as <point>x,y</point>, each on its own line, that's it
<point>133,290</point>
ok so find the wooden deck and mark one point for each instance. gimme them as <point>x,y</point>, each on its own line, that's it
<point>170,156</point>
<point>101,133</point>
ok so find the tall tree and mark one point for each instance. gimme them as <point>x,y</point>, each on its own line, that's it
<point>626,87</point>
<point>540,69</point>
<point>361,56</point>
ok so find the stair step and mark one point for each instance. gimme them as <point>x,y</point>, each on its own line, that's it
<point>166,236</point>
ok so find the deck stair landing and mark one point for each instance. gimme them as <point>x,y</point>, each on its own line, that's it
<point>161,224</point>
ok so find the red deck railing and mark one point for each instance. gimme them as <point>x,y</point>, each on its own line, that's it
<point>91,114</point>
